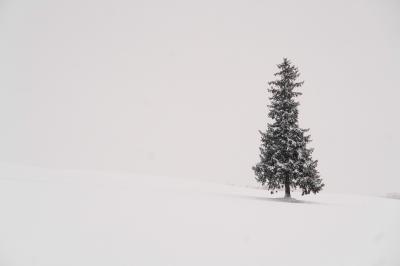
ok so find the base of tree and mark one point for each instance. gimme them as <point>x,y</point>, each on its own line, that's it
<point>290,200</point>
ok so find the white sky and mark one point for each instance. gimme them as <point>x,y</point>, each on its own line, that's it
<point>178,88</point>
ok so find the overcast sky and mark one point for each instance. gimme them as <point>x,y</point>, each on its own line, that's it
<point>179,88</point>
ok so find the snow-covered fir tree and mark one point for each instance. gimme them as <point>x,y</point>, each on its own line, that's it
<point>285,159</point>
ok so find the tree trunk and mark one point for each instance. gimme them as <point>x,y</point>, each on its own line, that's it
<point>287,189</point>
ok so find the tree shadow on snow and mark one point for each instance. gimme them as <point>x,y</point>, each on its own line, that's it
<point>284,200</point>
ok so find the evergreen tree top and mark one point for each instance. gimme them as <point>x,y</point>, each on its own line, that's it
<point>288,73</point>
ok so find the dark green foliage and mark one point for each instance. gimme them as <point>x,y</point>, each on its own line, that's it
<point>285,160</point>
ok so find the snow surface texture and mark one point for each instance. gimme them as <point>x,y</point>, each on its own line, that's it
<point>50,217</point>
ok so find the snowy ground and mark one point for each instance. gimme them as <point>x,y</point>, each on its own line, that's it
<point>50,217</point>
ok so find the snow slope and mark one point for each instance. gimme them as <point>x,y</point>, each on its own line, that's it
<point>50,217</point>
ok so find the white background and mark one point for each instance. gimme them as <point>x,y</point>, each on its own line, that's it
<point>179,88</point>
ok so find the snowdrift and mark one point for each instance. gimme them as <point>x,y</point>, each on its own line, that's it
<point>51,217</point>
